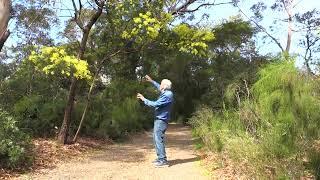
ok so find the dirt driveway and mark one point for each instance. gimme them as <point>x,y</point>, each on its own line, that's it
<point>132,161</point>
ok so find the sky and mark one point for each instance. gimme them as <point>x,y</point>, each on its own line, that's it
<point>216,15</point>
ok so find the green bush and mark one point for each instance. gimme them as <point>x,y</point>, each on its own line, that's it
<point>115,112</point>
<point>14,144</point>
<point>314,160</point>
<point>289,106</point>
<point>38,116</point>
<point>275,127</point>
<point>127,117</point>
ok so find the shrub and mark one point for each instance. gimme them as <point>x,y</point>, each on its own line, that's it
<point>275,127</point>
<point>115,112</point>
<point>13,143</point>
<point>126,117</point>
<point>288,104</point>
<point>38,116</point>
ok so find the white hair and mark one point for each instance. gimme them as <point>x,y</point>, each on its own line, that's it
<point>166,83</point>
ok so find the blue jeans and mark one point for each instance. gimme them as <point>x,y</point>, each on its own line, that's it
<point>159,130</point>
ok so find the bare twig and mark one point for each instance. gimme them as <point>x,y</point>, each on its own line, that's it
<point>297,4</point>
<point>262,28</point>
<point>99,4</point>
<point>96,15</point>
<point>183,7</point>
<point>205,4</point>
<point>77,14</point>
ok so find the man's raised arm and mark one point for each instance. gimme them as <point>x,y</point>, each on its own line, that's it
<point>155,84</point>
<point>163,100</point>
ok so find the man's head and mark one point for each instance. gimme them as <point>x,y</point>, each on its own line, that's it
<point>165,84</point>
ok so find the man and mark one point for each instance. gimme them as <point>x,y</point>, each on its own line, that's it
<point>162,108</point>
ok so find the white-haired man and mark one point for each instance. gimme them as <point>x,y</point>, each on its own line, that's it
<point>162,108</point>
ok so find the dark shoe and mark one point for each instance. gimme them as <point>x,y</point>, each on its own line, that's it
<point>160,164</point>
<point>155,161</point>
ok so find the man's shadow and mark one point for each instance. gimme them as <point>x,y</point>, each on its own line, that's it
<point>181,161</point>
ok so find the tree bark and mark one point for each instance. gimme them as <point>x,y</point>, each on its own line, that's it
<point>99,67</point>
<point>5,8</point>
<point>64,130</point>
<point>288,8</point>
<point>86,106</point>
<point>308,53</point>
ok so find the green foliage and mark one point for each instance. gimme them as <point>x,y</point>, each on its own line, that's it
<point>278,121</point>
<point>14,144</point>
<point>147,26</point>
<point>233,33</point>
<point>127,114</point>
<point>193,40</point>
<point>288,106</point>
<point>115,112</point>
<point>314,160</point>
<point>38,116</point>
<point>126,117</point>
<point>55,60</point>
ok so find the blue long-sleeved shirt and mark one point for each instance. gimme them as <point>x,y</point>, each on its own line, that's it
<point>162,105</point>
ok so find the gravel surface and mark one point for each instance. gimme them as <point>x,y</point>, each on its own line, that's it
<point>132,159</point>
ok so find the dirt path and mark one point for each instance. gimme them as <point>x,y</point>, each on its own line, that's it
<point>132,160</point>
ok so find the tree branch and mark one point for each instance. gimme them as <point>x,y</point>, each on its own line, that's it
<point>205,4</point>
<point>75,7</point>
<point>183,7</point>
<point>173,6</point>
<point>3,38</point>
<point>297,4</point>
<point>308,55</point>
<point>263,29</point>
<point>285,6</point>
<point>95,17</point>
<point>77,14</point>
<point>99,4</point>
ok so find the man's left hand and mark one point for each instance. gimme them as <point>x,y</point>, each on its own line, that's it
<point>140,96</point>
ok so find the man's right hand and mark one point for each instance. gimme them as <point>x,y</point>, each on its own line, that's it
<point>140,96</point>
<point>148,78</point>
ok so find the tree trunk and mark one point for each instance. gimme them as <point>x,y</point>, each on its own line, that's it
<point>86,107</point>
<point>64,130</point>
<point>288,9</point>
<point>308,54</point>
<point>289,29</point>
<point>5,8</point>
<point>89,95</point>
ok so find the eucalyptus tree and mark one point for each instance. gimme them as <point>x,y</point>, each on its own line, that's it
<point>5,8</point>
<point>129,29</point>
<point>308,24</point>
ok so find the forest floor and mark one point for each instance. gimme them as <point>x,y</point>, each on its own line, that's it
<point>128,160</point>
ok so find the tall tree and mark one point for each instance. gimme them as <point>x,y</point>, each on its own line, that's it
<point>33,22</point>
<point>121,21</point>
<point>283,6</point>
<point>86,28</point>
<point>308,24</point>
<point>286,6</point>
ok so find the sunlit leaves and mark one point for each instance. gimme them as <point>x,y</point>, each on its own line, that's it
<point>55,61</point>
<point>258,9</point>
<point>146,26</point>
<point>192,40</point>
